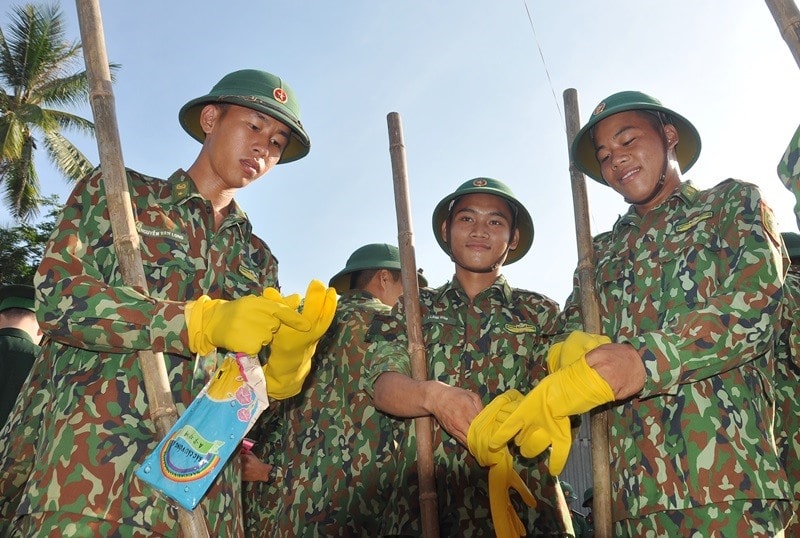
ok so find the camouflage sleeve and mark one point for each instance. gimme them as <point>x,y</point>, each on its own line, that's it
<point>736,322</point>
<point>791,309</point>
<point>789,171</point>
<point>81,300</point>
<point>388,348</point>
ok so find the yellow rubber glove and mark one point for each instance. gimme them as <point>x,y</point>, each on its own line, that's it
<point>576,345</point>
<point>243,325</point>
<point>502,475</point>
<point>542,418</point>
<point>291,349</point>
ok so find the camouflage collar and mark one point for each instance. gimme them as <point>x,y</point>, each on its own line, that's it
<point>500,286</point>
<point>183,189</point>
<point>687,193</point>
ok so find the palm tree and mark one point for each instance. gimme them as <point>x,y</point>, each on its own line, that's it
<point>37,71</point>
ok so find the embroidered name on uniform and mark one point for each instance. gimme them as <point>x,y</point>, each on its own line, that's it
<point>691,223</point>
<point>247,273</point>
<point>156,232</point>
<point>434,318</point>
<point>520,328</point>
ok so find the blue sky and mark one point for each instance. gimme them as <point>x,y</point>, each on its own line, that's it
<point>479,94</point>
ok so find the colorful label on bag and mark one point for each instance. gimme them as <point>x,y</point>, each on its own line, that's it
<point>186,455</point>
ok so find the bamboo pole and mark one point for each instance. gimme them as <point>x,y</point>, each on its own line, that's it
<point>590,312</point>
<point>416,344</point>
<point>787,17</point>
<point>126,240</point>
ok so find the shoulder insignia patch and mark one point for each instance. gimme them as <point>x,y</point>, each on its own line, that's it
<point>691,223</point>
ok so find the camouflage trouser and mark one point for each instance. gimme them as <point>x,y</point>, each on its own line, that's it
<point>755,518</point>
<point>68,525</point>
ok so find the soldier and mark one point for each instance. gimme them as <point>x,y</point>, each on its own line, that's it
<point>789,170</point>
<point>483,337</point>
<point>579,523</point>
<point>19,342</point>
<point>689,284</point>
<point>205,272</point>
<point>787,378</point>
<point>334,477</point>
<point>588,499</point>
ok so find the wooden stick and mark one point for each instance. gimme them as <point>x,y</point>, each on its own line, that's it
<point>590,312</point>
<point>416,343</point>
<point>787,17</point>
<point>126,240</point>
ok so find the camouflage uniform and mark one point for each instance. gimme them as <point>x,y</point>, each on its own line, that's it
<point>696,283</point>
<point>789,170</point>
<point>492,344</point>
<point>95,422</point>
<point>336,471</point>
<point>787,380</point>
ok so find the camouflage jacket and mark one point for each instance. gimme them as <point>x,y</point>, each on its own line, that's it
<point>95,425</point>
<point>497,342</point>
<point>334,449</point>
<point>696,284</point>
<point>787,379</point>
<point>789,170</point>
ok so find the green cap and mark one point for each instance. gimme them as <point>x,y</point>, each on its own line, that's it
<point>371,256</point>
<point>583,152</point>
<point>17,296</point>
<point>569,493</point>
<point>485,185</point>
<point>792,241</point>
<point>588,495</point>
<point>257,90</point>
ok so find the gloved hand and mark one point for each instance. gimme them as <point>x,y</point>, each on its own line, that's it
<point>502,475</point>
<point>242,325</point>
<point>542,418</point>
<point>291,349</point>
<point>577,345</point>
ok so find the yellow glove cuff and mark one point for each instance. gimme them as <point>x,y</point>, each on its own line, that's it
<point>576,345</point>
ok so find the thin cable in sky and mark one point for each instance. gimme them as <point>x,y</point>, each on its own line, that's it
<point>544,63</point>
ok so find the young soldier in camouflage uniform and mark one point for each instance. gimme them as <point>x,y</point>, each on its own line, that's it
<point>19,342</point>
<point>196,243</point>
<point>483,337</point>
<point>689,284</point>
<point>787,378</point>
<point>333,466</point>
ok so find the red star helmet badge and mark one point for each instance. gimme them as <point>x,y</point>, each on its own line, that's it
<point>280,95</point>
<point>600,108</point>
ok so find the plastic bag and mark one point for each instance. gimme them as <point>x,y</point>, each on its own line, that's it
<point>194,451</point>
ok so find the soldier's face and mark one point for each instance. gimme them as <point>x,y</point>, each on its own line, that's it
<point>480,231</point>
<point>631,152</point>
<point>243,144</point>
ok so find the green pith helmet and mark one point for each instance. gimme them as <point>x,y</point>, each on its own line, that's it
<point>569,493</point>
<point>485,185</point>
<point>588,496</point>
<point>257,90</point>
<point>583,153</point>
<point>17,296</point>
<point>372,256</point>
<point>792,241</point>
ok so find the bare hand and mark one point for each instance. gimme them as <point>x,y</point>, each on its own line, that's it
<point>253,469</point>
<point>454,408</point>
<point>621,367</point>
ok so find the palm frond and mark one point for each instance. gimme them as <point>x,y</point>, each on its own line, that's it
<point>67,158</point>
